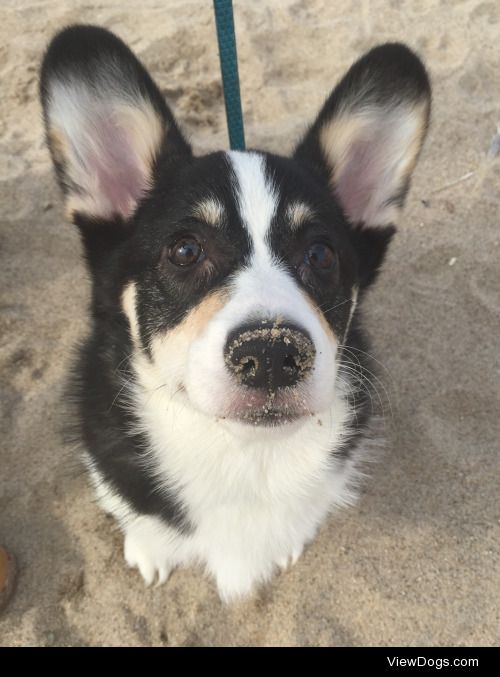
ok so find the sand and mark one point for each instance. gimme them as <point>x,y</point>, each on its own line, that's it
<point>417,562</point>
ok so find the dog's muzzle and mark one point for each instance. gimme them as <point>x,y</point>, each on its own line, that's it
<point>269,355</point>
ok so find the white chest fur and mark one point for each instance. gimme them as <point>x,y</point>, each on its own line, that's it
<point>254,497</point>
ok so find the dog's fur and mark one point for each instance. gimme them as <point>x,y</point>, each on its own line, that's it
<point>196,460</point>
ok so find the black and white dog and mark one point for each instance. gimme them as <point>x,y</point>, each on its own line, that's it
<point>222,390</point>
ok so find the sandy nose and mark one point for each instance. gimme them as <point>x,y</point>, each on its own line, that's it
<point>269,355</point>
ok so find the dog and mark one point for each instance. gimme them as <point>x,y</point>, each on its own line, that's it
<point>222,392</point>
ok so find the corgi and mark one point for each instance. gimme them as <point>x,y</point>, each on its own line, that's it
<point>222,391</point>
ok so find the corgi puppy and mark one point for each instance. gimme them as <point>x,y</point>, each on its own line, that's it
<point>223,392</point>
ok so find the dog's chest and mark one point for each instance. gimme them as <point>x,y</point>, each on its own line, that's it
<point>248,488</point>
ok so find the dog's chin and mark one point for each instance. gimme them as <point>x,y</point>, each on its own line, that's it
<point>267,410</point>
<point>266,418</point>
<point>252,410</point>
<point>263,426</point>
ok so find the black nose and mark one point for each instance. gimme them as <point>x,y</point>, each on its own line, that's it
<point>269,355</point>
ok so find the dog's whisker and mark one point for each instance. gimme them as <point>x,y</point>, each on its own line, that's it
<point>369,355</point>
<point>365,369</point>
<point>319,308</point>
<point>363,375</point>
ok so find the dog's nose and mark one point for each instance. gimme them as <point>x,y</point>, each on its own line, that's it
<point>269,354</point>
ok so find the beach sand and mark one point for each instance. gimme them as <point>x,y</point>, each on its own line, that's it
<point>417,562</point>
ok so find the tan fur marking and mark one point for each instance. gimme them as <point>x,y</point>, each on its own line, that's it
<point>61,153</point>
<point>58,146</point>
<point>210,211</point>
<point>326,327</point>
<point>129,308</point>
<point>147,130</point>
<point>298,213</point>
<point>354,303</point>
<point>193,324</point>
<point>199,317</point>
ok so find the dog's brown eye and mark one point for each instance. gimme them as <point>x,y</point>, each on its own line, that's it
<point>320,256</point>
<point>186,251</point>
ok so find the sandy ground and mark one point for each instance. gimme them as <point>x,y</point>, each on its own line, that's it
<point>418,561</point>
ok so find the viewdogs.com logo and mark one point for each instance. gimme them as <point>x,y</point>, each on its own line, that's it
<point>437,663</point>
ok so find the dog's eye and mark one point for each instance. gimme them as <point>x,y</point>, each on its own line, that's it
<point>186,252</point>
<point>320,256</point>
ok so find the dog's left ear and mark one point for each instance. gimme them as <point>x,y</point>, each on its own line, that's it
<point>365,143</point>
<point>368,135</point>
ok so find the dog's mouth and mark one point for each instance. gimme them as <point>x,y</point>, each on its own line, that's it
<point>260,408</point>
<point>267,409</point>
<point>267,417</point>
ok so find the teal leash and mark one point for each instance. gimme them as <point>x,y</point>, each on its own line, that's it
<point>229,67</point>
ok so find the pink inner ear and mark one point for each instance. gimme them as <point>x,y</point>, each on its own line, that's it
<point>120,177</point>
<point>358,179</point>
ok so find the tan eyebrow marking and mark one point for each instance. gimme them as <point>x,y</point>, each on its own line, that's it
<point>209,210</point>
<point>297,213</point>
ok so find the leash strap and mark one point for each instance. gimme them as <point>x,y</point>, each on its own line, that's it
<point>229,67</point>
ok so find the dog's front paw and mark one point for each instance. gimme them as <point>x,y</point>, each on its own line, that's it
<point>148,549</point>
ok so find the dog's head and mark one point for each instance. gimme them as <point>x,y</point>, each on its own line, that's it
<point>238,273</point>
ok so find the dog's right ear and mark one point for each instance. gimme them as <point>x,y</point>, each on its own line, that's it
<point>106,124</point>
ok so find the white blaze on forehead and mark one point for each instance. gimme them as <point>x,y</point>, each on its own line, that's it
<point>257,197</point>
